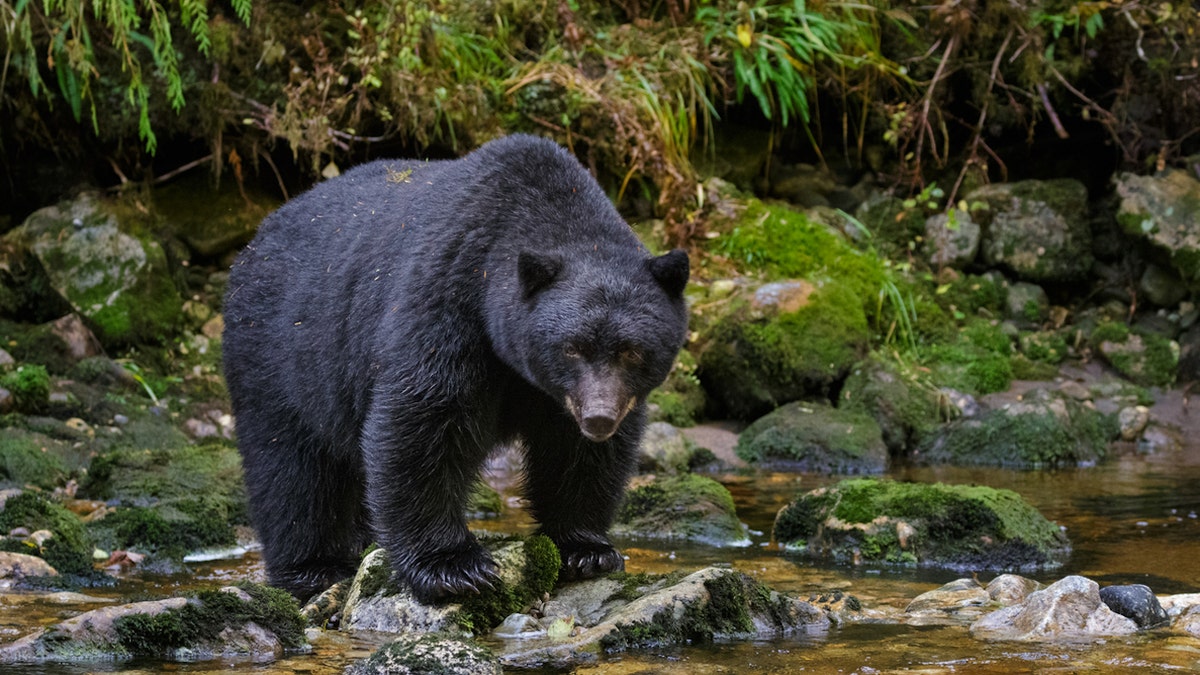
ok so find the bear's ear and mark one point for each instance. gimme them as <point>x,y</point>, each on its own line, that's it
<point>671,271</point>
<point>536,271</point>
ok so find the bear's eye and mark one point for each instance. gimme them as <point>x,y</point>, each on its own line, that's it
<point>631,356</point>
<point>572,352</point>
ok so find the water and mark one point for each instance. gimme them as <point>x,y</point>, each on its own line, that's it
<point>1134,519</point>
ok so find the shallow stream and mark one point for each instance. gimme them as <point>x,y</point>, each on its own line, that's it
<point>1133,519</point>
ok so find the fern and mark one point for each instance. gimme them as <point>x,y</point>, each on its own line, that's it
<point>64,26</point>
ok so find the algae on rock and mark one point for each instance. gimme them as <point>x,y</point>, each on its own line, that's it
<point>815,437</point>
<point>866,520</point>
<point>684,506</point>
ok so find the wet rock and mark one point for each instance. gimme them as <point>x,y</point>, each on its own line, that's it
<point>712,603</point>
<point>377,603</point>
<point>120,283</point>
<point>1069,609</point>
<point>1037,229</point>
<point>1041,430</point>
<point>959,600</point>
<point>1164,209</point>
<point>1010,589</point>
<point>683,507</point>
<point>252,621</point>
<point>1188,622</point>
<point>1137,602</point>
<point>324,610</point>
<point>663,449</point>
<point>815,437</point>
<point>931,525</point>
<point>17,566</point>
<point>1157,438</point>
<point>952,241</point>
<point>421,654</point>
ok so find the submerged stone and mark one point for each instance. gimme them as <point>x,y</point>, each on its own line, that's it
<point>815,437</point>
<point>428,653</point>
<point>930,525</point>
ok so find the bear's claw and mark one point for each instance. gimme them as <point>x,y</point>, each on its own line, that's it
<point>439,577</point>
<point>585,560</point>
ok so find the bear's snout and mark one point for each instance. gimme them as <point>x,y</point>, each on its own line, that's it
<point>599,404</point>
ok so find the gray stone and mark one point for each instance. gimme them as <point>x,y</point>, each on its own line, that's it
<point>952,241</point>
<point>1162,287</point>
<point>1037,229</point>
<point>959,600</point>
<point>1028,305</point>
<point>1010,589</point>
<point>1069,609</point>
<point>1133,421</point>
<point>663,449</point>
<point>1164,210</point>
<point>89,636</point>
<point>380,606</point>
<point>79,341</point>
<point>1137,602</point>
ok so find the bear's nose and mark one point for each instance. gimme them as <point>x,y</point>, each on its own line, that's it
<point>599,427</point>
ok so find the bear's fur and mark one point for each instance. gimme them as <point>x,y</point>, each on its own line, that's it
<point>389,328</point>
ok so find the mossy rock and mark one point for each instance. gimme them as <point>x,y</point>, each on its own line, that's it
<point>977,362</point>
<point>106,267</point>
<point>1164,209</point>
<point>686,507</point>
<point>201,626</point>
<point>443,654</point>
<point>1037,229</point>
<point>815,437</point>
<point>790,341</point>
<point>1145,358</point>
<point>951,526</point>
<point>29,385</point>
<point>70,549</point>
<point>30,458</point>
<point>168,502</point>
<point>1042,430</point>
<point>904,405</point>
<point>680,401</point>
<point>484,502</point>
<point>1044,346</point>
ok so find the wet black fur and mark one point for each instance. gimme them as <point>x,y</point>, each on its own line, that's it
<point>381,339</point>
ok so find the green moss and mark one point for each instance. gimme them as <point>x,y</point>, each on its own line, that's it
<point>987,335</point>
<point>680,400</point>
<point>171,530</point>
<point>899,397</point>
<point>752,365</point>
<point>480,613</point>
<point>968,295</point>
<point>70,550</point>
<point>785,244</point>
<point>1146,358</point>
<point>30,387</point>
<point>1024,368</point>
<point>484,502</point>
<point>26,459</point>
<point>1046,347</point>
<point>952,525</point>
<point>815,437</point>
<point>968,368</point>
<point>683,506</point>
<point>201,622</point>
<point>1031,434</point>
<point>427,654</point>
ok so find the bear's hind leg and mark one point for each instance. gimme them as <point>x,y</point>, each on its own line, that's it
<point>307,506</point>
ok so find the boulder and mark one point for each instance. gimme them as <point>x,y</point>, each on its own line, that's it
<point>1137,602</point>
<point>1044,429</point>
<point>815,437</point>
<point>866,520</point>
<point>1069,609</point>
<point>428,653</point>
<point>1164,210</point>
<point>1144,357</point>
<point>1036,229</point>
<point>952,240</point>
<point>118,281</point>
<point>683,507</point>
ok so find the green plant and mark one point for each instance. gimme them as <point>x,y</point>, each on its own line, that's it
<point>139,40</point>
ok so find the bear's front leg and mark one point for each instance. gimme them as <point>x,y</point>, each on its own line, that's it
<point>575,485</point>
<point>419,477</point>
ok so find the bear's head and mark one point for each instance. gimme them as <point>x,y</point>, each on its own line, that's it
<point>599,338</point>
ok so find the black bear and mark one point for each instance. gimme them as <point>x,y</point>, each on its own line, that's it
<point>389,328</point>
